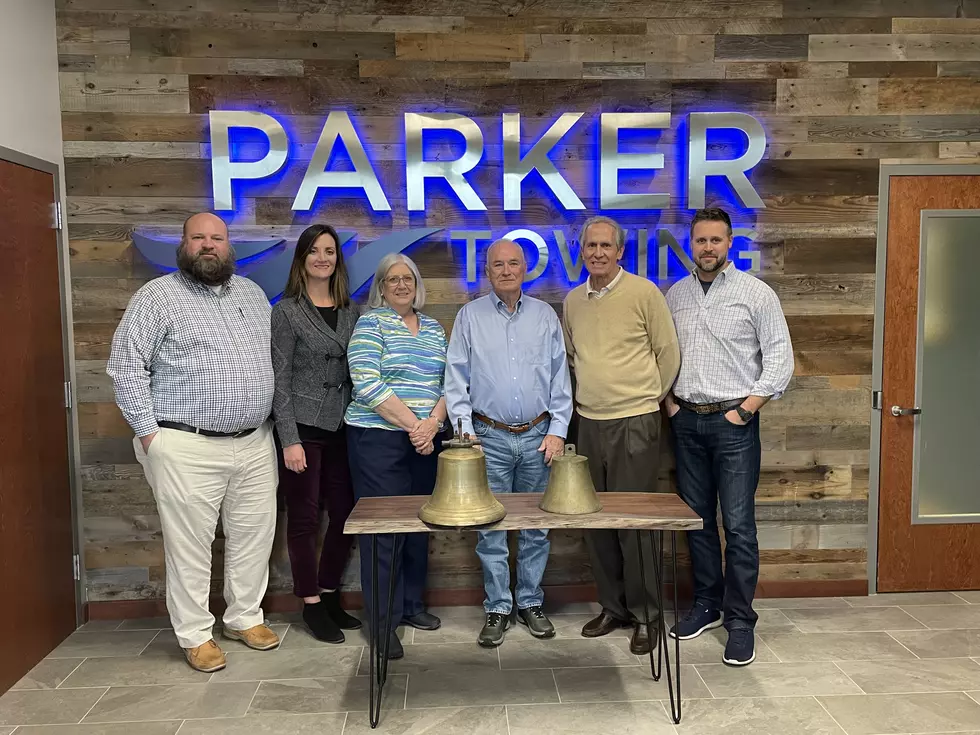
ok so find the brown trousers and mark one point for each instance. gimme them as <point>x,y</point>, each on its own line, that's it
<point>624,456</point>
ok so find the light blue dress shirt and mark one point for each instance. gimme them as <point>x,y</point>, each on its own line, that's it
<point>510,367</point>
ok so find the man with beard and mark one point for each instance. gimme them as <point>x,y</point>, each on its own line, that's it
<point>622,349</point>
<point>191,364</point>
<point>735,356</point>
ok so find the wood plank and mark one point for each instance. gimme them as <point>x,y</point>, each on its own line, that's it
<point>839,407</point>
<point>895,47</point>
<point>753,25</point>
<point>102,421</point>
<point>154,209</point>
<point>673,49</point>
<point>829,255</point>
<point>832,362</point>
<point>199,65</point>
<point>959,69</point>
<point>99,149</point>
<point>88,40</point>
<point>92,341</point>
<point>934,96</point>
<point>106,451</point>
<point>828,437</point>
<point>844,331</point>
<point>81,92</point>
<point>559,25</point>
<point>869,8</point>
<point>891,69</point>
<point>959,150</point>
<point>772,47</point>
<point>894,127</point>
<point>827,96</point>
<point>459,47</point>
<point>133,127</point>
<point>871,151</point>
<point>266,45</point>
<point>830,294</point>
<point>744,95</point>
<point>668,70</point>
<point>392,69</point>
<point>936,25</point>
<point>76,62</point>
<point>786,70</point>
<point>93,385</point>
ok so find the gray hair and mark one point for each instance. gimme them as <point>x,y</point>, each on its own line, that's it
<point>501,242</point>
<point>600,220</point>
<point>376,295</point>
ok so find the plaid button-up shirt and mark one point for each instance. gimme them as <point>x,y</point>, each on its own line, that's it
<point>186,353</point>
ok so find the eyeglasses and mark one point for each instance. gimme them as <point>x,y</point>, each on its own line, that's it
<point>395,280</point>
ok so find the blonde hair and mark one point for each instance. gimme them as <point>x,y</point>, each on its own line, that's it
<point>376,297</point>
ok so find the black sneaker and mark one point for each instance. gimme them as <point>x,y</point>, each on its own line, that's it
<point>698,620</point>
<point>740,650</point>
<point>537,622</point>
<point>493,630</point>
<point>343,620</point>
<point>422,621</point>
<point>321,625</point>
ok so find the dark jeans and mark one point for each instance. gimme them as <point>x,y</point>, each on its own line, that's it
<point>717,460</point>
<point>326,483</point>
<point>624,456</point>
<point>385,463</point>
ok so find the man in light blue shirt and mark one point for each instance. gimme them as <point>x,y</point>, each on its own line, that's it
<point>507,380</point>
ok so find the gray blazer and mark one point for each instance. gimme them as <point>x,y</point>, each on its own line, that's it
<point>313,384</point>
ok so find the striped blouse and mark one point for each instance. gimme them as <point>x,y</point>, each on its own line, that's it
<point>386,359</point>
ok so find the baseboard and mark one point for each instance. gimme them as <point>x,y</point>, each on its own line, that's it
<point>554,594</point>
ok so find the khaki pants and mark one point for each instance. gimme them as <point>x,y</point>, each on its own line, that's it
<point>194,478</point>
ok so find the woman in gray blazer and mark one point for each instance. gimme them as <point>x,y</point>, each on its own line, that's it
<point>311,327</point>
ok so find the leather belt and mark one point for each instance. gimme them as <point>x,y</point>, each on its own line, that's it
<point>704,408</point>
<point>204,432</point>
<point>512,428</point>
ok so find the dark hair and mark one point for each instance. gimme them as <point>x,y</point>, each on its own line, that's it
<point>712,214</point>
<point>296,283</point>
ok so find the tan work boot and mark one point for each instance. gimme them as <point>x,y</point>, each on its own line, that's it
<point>261,637</point>
<point>206,657</point>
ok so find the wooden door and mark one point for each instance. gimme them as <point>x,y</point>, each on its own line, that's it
<point>916,556</point>
<point>36,528</point>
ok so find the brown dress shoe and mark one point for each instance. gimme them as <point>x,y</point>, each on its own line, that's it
<point>602,625</point>
<point>640,640</point>
<point>261,637</point>
<point>206,657</point>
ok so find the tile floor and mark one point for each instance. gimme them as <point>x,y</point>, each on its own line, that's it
<point>893,664</point>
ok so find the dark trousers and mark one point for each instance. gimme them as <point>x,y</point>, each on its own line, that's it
<point>624,456</point>
<point>326,483</point>
<point>385,463</point>
<point>717,460</point>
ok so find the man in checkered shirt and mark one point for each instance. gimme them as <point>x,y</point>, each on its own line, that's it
<point>191,364</point>
<point>735,356</point>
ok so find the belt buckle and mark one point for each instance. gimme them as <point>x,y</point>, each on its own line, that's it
<point>521,427</point>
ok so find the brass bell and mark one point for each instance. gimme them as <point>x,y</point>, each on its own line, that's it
<point>462,495</point>
<point>570,490</point>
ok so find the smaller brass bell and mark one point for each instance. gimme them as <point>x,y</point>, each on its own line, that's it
<point>570,490</point>
<point>461,496</point>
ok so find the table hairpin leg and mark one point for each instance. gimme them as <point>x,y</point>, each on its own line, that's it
<point>675,712</point>
<point>378,652</point>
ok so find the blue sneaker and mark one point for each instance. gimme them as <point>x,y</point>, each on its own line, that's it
<point>698,620</point>
<point>740,650</point>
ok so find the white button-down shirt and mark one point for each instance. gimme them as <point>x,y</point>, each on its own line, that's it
<point>734,339</point>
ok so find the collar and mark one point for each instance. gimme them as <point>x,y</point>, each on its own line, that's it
<point>193,283</point>
<point>605,289</point>
<point>498,302</point>
<point>723,275</point>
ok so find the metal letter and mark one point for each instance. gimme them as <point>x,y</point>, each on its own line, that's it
<point>699,167</point>
<point>753,256</point>
<point>666,241</point>
<point>224,170</point>
<point>417,170</point>
<point>572,270</point>
<point>612,161</point>
<point>339,126</point>
<point>539,243</point>
<point>642,251</point>
<point>516,168</point>
<point>470,236</point>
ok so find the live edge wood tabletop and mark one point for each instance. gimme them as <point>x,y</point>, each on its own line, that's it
<point>640,511</point>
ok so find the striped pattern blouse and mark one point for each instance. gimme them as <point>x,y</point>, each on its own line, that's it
<point>386,359</point>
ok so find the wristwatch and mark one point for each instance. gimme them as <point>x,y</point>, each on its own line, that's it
<point>746,416</point>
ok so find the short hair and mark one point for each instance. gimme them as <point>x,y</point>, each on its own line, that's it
<point>712,214</point>
<point>183,235</point>
<point>501,241</point>
<point>376,297</point>
<point>601,220</point>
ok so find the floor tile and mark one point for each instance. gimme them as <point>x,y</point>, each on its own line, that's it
<point>708,648</point>
<point>453,630</point>
<point>165,644</point>
<point>480,687</point>
<point>7,730</point>
<point>623,684</point>
<point>570,626</point>
<point>775,716</point>
<point>448,721</point>
<point>971,596</point>
<point>180,701</point>
<point>940,643</point>
<point>301,664</point>
<point>790,647</point>
<point>883,714</point>
<point>299,637</point>
<point>911,599</point>
<point>899,677</point>
<point>854,619</point>
<point>460,657</point>
<point>135,671</point>
<point>773,620</point>
<point>144,728</point>
<point>48,674</point>
<point>327,694</point>
<point>975,695</point>
<point>948,617</point>
<point>266,725</point>
<point>647,718</point>
<point>99,626</point>
<point>558,654</point>
<point>797,603</point>
<point>92,645</point>
<point>146,624</point>
<point>50,707</point>
<point>776,680</point>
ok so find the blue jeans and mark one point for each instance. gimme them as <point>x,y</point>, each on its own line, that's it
<point>717,460</point>
<point>514,465</point>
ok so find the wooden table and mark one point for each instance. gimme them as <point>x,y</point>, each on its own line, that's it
<point>640,512</point>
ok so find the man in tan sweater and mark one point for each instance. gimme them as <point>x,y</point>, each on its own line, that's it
<point>623,350</point>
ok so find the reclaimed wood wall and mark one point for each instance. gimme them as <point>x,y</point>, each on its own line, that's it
<point>838,84</point>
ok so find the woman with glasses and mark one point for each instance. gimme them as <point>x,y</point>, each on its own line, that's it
<point>311,327</point>
<point>397,357</point>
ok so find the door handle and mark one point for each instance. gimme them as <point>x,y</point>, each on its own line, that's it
<point>899,411</point>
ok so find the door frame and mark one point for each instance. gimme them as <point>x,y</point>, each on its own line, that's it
<point>68,352</point>
<point>886,171</point>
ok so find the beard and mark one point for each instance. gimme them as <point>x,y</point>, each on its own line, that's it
<point>720,262</point>
<point>209,271</point>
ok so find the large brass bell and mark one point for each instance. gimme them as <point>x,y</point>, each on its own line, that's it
<point>462,494</point>
<point>570,490</point>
